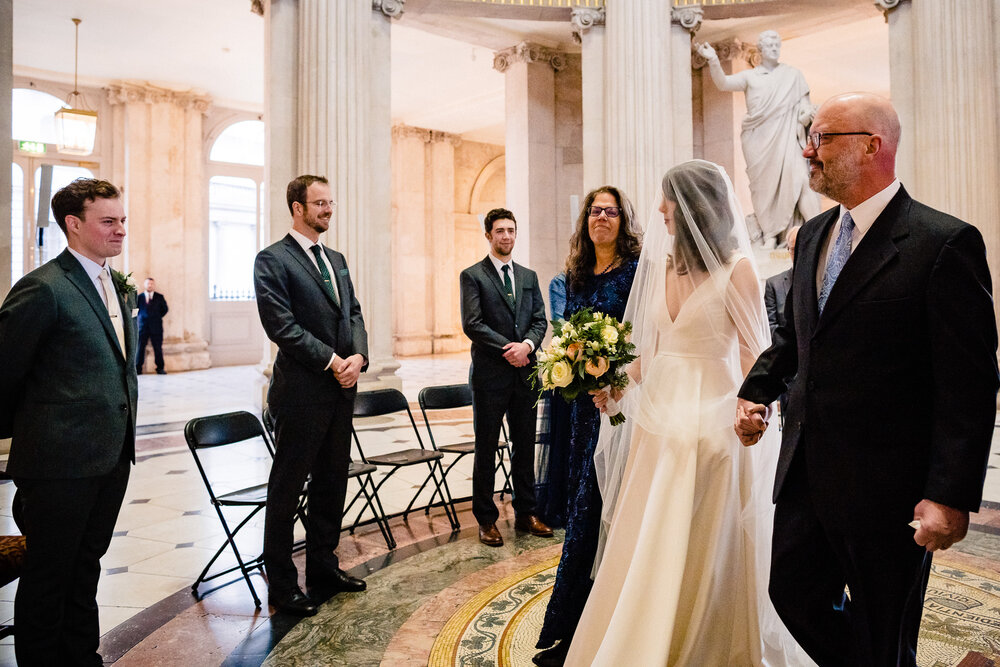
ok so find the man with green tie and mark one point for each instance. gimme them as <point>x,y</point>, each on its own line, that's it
<point>308,309</point>
<point>504,316</point>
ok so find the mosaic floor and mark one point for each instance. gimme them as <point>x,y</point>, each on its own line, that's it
<point>167,530</point>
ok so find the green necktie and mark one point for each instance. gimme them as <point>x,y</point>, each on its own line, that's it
<point>325,274</point>
<point>507,285</point>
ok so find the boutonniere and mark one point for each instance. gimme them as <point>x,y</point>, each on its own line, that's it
<point>124,284</point>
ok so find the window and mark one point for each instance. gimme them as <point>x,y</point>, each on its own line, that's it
<point>49,240</point>
<point>34,115</point>
<point>232,237</point>
<point>240,143</point>
<point>16,223</point>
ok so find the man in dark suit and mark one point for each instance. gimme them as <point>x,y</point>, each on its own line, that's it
<point>308,309</point>
<point>775,291</point>
<point>891,337</point>
<point>152,307</point>
<point>504,315</point>
<point>68,401</point>
<point>776,287</point>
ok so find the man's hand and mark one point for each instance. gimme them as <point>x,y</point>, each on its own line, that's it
<point>751,421</point>
<point>516,354</point>
<point>940,526</point>
<point>347,370</point>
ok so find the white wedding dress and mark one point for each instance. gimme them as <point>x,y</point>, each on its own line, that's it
<point>681,579</point>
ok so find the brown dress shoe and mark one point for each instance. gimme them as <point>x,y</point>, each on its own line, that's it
<point>531,524</point>
<point>490,536</point>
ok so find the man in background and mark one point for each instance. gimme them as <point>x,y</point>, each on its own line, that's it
<point>152,307</point>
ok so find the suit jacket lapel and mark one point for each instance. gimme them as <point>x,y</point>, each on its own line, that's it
<point>520,280</point>
<point>491,273</point>
<point>876,249</point>
<point>296,251</point>
<point>76,274</point>
<point>341,281</point>
<point>808,255</point>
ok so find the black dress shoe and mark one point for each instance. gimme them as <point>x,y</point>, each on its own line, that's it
<point>160,371</point>
<point>334,580</point>
<point>553,656</point>
<point>293,602</point>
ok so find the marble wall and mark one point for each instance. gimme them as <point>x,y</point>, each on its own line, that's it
<point>441,186</point>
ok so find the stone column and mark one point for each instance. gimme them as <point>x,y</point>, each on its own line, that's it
<point>588,30</point>
<point>683,25</point>
<point>328,113</point>
<point>440,242</point>
<point>639,98</point>
<point>6,146</point>
<point>530,149</point>
<point>163,179</point>
<point>944,84</point>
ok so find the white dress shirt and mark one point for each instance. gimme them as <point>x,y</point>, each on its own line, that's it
<point>93,270</point>
<point>863,215</point>
<point>498,265</point>
<point>307,243</point>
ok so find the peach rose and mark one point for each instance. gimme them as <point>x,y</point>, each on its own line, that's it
<point>597,366</point>
<point>573,351</point>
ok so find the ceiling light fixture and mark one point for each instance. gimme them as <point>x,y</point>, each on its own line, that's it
<point>76,126</point>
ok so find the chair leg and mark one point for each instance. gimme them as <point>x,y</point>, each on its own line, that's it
<point>506,488</point>
<point>230,539</point>
<point>380,520</point>
<point>446,500</point>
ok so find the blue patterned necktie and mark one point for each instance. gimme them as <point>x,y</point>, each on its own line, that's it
<point>841,251</point>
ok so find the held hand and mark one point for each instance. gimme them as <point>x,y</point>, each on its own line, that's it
<point>751,421</point>
<point>607,401</point>
<point>349,371</point>
<point>516,354</point>
<point>601,397</point>
<point>940,526</point>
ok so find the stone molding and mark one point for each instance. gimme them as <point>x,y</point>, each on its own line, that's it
<point>527,52</point>
<point>424,134</point>
<point>688,18</point>
<point>392,9</point>
<point>729,49</point>
<point>583,19</point>
<point>886,6</point>
<point>131,91</point>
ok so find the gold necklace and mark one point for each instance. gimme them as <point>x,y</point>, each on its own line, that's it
<point>607,268</point>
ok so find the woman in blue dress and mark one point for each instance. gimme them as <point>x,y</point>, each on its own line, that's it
<point>599,272</point>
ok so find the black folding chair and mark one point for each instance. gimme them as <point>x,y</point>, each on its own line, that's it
<point>450,397</point>
<point>357,470</point>
<point>388,401</point>
<point>216,431</point>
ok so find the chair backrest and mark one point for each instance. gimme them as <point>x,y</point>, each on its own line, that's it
<point>445,396</point>
<point>379,402</point>
<point>382,402</point>
<point>265,416</point>
<point>225,429</point>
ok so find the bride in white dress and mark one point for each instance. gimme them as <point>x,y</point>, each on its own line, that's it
<point>682,577</point>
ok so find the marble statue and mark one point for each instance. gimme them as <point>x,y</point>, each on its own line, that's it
<point>774,133</point>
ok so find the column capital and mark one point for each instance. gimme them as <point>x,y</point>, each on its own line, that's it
<point>527,52</point>
<point>392,9</point>
<point>123,92</point>
<point>727,49</point>
<point>583,19</point>
<point>688,18</point>
<point>886,6</point>
<point>425,135</point>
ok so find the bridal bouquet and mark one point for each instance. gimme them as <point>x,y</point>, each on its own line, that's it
<point>590,351</point>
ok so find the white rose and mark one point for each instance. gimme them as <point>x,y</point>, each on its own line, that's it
<point>610,335</point>
<point>561,374</point>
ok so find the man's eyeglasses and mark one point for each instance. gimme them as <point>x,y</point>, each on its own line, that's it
<point>610,211</point>
<point>323,203</point>
<point>816,138</point>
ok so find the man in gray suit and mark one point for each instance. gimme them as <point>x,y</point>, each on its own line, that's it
<point>776,287</point>
<point>504,315</point>
<point>68,401</point>
<point>308,309</point>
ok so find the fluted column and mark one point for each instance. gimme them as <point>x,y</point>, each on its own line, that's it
<point>588,30</point>
<point>944,83</point>
<point>530,149</point>
<point>639,98</point>
<point>684,23</point>
<point>337,119</point>
<point>160,162</point>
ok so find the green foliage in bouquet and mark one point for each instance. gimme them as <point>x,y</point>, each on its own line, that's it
<point>590,351</point>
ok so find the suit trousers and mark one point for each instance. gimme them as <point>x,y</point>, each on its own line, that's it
<point>517,401</point>
<point>885,572</point>
<point>154,337</point>
<point>68,524</point>
<point>311,442</point>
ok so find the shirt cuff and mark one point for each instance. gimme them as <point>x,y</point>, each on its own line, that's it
<point>332,359</point>
<point>530,344</point>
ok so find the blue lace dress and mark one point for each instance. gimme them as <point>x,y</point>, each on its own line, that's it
<point>608,294</point>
